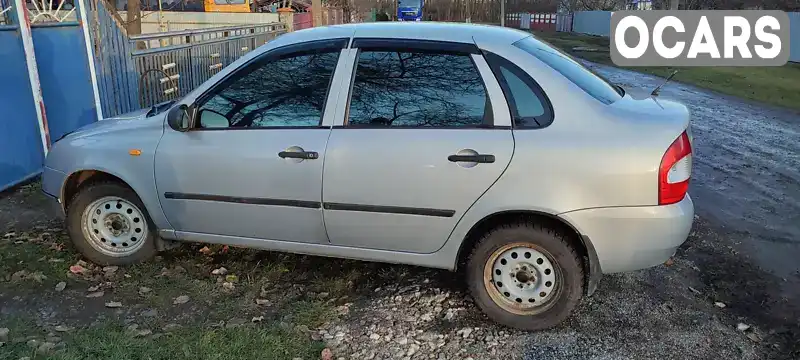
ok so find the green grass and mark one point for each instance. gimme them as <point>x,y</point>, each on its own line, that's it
<point>41,262</point>
<point>195,343</point>
<point>200,336</point>
<point>772,85</point>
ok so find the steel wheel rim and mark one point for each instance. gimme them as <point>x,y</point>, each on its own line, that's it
<point>114,226</point>
<point>523,279</point>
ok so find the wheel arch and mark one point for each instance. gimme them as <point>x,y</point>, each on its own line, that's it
<point>80,178</point>
<point>579,241</point>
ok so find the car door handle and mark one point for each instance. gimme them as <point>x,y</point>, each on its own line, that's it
<point>480,158</point>
<point>308,155</point>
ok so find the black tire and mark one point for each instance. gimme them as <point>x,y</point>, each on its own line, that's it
<point>561,254</point>
<point>84,198</point>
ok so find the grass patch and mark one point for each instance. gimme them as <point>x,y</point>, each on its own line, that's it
<point>772,85</point>
<point>195,343</point>
<point>34,262</point>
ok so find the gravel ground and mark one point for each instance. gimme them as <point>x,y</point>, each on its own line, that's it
<point>737,268</point>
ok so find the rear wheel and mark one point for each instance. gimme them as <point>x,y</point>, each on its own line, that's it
<point>108,224</point>
<point>525,276</point>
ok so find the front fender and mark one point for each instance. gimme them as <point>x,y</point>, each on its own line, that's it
<point>110,152</point>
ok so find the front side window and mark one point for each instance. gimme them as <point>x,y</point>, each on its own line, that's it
<point>417,89</point>
<point>584,78</point>
<point>289,91</point>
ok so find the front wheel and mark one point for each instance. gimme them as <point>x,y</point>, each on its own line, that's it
<point>108,225</point>
<point>525,276</point>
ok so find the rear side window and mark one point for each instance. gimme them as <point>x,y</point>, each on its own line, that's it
<point>428,89</point>
<point>587,80</point>
<point>529,106</point>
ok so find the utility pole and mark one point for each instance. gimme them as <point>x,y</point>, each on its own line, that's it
<point>134,17</point>
<point>316,12</point>
<point>503,13</point>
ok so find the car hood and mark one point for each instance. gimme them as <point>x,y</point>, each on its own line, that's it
<point>127,121</point>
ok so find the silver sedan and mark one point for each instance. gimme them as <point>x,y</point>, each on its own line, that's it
<point>438,145</point>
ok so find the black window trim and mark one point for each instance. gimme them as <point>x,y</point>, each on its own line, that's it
<point>419,45</point>
<point>414,45</point>
<point>495,62</point>
<point>296,49</point>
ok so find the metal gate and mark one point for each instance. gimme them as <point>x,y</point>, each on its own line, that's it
<point>139,71</point>
<point>46,88</point>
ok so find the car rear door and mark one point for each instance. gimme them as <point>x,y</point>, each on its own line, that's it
<point>252,166</point>
<point>425,133</point>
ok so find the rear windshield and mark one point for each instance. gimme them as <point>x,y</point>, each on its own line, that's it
<point>587,80</point>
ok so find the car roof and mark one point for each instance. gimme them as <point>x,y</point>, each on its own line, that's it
<point>436,31</point>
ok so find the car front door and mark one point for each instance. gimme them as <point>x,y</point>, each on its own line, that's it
<point>426,133</point>
<point>251,167</point>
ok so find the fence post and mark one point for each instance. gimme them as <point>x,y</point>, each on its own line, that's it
<point>84,21</point>
<point>24,21</point>
<point>286,15</point>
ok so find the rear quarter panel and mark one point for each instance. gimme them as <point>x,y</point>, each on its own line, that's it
<point>593,155</point>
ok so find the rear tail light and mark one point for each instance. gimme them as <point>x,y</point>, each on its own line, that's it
<point>675,171</point>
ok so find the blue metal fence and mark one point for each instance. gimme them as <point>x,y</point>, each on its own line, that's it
<point>794,36</point>
<point>64,76</point>
<point>592,22</point>
<point>21,153</point>
<point>67,97</point>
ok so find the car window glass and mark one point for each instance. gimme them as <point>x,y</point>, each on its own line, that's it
<point>584,78</point>
<point>417,89</point>
<point>290,91</point>
<point>526,105</point>
<point>211,119</point>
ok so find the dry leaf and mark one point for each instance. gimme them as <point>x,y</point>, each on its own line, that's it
<point>77,269</point>
<point>220,271</point>
<point>258,319</point>
<point>327,354</point>
<point>206,251</point>
<point>95,294</point>
<point>264,302</point>
<point>61,286</point>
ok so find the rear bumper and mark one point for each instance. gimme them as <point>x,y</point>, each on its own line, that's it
<point>633,238</point>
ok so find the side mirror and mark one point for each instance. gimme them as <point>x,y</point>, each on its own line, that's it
<point>180,118</point>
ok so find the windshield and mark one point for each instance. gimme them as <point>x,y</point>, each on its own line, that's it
<point>409,4</point>
<point>592,83</point>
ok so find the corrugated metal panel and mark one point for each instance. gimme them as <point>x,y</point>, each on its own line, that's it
<point>21,153</point>
<point>794,36</point>
<point>592,22</point>
<point>68,95</point>
<point>116,76</point>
